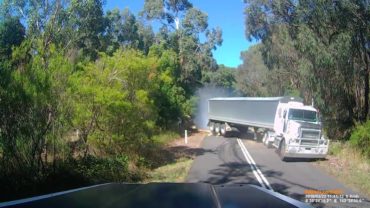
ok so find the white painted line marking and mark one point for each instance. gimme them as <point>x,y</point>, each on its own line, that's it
<point>250,164</point>
<point>253,163</point>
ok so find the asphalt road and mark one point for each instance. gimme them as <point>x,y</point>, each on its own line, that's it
<point>226,161</point>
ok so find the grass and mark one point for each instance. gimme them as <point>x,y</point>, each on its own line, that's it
<point>348,166</point>
<point>166,137</point>
<point>335,148</point>
<point>174,172</point>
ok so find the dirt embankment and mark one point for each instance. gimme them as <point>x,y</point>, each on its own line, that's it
<point>193,148</point>
<point>177,158</point>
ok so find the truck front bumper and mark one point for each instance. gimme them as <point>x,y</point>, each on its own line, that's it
<point>306,152</point>
<point>305,155</point>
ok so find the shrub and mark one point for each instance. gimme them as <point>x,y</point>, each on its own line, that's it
<point>335,147</point>
<point>98,170</point>
<point>360,138</point>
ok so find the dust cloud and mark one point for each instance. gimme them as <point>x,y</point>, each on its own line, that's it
<point>203,94</point>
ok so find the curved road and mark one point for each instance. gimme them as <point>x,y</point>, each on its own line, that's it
<point>245,161</point>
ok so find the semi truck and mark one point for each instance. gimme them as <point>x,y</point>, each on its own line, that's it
<point>294,129</point>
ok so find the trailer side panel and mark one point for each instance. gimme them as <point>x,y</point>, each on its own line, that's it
<point>257,112</point>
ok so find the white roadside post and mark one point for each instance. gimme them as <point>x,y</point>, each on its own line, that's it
<point>186,136</point>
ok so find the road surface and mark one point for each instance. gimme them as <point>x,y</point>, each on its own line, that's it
<point>235,160</point>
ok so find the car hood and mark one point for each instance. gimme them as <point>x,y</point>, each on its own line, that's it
<point>161,195</point>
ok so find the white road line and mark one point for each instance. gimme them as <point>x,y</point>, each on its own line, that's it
<point>252,163</point>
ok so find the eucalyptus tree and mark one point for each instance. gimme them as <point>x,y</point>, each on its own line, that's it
<point>125,30</point>
<point>182,27</point>
<point>224,77</point>
<point>11,34</point>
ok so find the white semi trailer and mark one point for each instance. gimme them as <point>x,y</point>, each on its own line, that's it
<point>290,126</point>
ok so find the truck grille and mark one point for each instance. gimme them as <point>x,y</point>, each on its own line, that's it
<point>309,142</point>
<point>309,134</point>
<point>310,137</point>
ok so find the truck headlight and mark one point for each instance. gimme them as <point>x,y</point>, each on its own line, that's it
<point>323,140</point>
<point>297,134</point>
<point>293,141</point>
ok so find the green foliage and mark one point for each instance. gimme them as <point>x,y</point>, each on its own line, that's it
<point>319,50</point>
<point>111,100</point>
<point>252,76</point>
<point>11,34</point>
<point>222,77</point>
<point>360,138</point>
<point>335,148</point>
<point>182,27</point>
<point>169,97</point>
<point>88,18</point>
<point>100,170</point>
<point>167,11</point>
<point>165,137</point>
<point>86,96</point>
<point>124,30</point>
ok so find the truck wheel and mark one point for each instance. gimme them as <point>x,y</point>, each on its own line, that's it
<point>282,150</point>
<point>266,141</point>
<point>217,128</point>
<point>223,129</point>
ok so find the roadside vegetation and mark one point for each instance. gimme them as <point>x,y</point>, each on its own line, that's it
<point>90,96</point>
<point>349,166</point>
<point>175,172</point>
<point>176,158</point>
<point>318,50</point>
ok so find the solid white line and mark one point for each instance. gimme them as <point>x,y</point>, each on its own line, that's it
<point>250,164</point>
<point>254,164</point>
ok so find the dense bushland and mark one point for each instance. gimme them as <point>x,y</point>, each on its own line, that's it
<point>85,94</point>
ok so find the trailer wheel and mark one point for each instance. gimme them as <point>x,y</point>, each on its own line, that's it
<point>282,150</point>
<point>223,129</point>
<point>265,138</point>
<point>212,127</point>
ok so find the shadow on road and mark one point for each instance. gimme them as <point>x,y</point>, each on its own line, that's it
<point>230,173</point>
<point>241,173</point>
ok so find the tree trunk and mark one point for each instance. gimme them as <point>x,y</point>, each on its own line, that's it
<point>366,91</point>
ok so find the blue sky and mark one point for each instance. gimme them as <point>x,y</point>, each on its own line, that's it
<point>228,15</point>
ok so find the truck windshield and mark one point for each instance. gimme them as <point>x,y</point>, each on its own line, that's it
<point>302,115</point>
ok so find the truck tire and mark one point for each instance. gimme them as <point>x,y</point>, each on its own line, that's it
<point>266,141</point>
<point>256,135</point>
<point>217,128</point>
<point>212,127</point>
<point>223,129</point>
<point>281,150</point>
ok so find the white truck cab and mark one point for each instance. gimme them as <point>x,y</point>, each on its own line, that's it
<point>297,132</point>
